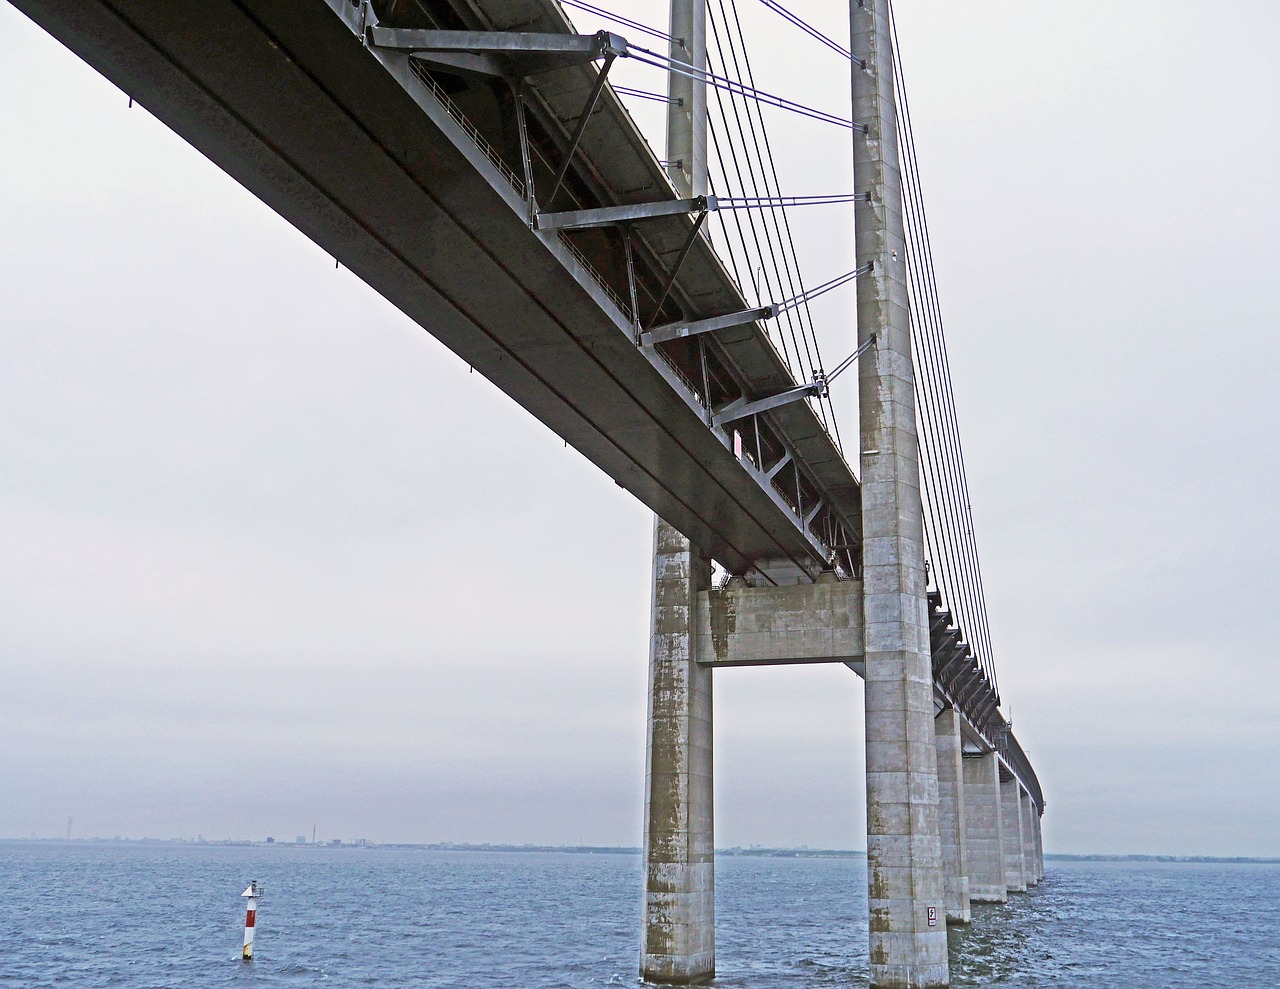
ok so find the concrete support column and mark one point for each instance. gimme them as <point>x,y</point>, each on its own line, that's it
<point>1029,841</point>
<point>1011,827</point>
<point>951,816</point>
<point>679,857</point>
<point>678,941</point>
<point>1036,818</point>
<point>983,836</point>
<point>908,934</point>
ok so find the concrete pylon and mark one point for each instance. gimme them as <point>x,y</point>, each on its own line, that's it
<point>679,853</point>
<point>908,934</point>
<point>983,836</point>
<point>687,109</point>
<point>1011,829</point>
<point>951,817</point>
<point>679,936</point>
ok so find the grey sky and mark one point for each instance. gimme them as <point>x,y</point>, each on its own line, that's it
<point>270,557</point>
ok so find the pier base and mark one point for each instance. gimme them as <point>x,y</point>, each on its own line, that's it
<point>678,941</point>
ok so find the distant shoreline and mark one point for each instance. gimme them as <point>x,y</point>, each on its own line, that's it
<point>736,851</point>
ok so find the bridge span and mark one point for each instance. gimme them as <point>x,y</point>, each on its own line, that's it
<point>470,161</point>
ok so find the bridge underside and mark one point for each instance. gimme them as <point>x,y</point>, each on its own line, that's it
<point>369,156</point>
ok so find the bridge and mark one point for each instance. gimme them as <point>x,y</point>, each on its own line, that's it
<point>472,161</point>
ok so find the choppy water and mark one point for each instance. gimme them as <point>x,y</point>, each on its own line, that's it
<point>155,916</point>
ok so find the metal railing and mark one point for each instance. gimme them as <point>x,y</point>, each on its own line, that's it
<point>421,73</point>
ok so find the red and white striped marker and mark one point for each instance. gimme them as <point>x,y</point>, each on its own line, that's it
<point>250,919</point>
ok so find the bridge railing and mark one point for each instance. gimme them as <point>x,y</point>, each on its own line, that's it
<point>1020,765</point>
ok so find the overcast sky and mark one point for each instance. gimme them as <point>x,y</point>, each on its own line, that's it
<point>270,557</point>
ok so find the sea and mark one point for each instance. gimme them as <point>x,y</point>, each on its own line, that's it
<point>156,916</point>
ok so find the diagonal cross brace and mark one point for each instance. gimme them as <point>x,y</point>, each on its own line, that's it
<point>675,270</point>
<point>578,131</point>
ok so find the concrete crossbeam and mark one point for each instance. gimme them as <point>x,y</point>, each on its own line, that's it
<point>771,626</point>
<point>983,836</point>
<point>679,842</point>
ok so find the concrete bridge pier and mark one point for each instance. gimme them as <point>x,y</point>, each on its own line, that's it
<point>951,816</point>
<point>1011,826</point>
<point>679,936</point>
<point>984,836</point>
<point>908,934</point>
<point>1036,816</point>
<point>679,854</point>
<point>1029,869</point>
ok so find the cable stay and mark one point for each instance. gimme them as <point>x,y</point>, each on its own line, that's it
<point>743,407</point>
<point>665,62</point>
<point>696,327</point>
<point>624,21</point>
<point>768,202</point>
<point>809,29</point>
<point>949,535</point>
<point>823,289</point>
<point>845,364</point>
<point>642,94</point>
<point>773,267</point>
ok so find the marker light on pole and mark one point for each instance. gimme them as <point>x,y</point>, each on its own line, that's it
<point>250,918</point>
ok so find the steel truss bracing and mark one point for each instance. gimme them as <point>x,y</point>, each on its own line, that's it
<point>660,314</point>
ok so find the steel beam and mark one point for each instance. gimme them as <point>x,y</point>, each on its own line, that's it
<point>499,53</point>
<point>693,327</point>
<point>743,407</point>
<point>608,216</point>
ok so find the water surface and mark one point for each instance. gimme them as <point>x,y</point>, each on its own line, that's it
<point>145,917</point>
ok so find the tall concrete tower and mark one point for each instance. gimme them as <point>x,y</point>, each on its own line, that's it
<point>678,940</point>
<point>908,938</point>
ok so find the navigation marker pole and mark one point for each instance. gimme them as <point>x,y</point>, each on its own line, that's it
<point>250,919</point>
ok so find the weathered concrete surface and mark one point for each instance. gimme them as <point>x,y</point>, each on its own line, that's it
<point>1039,834</point>
<point>679,856</point>
<point>687,109</point>
<point>1029,870</point>
<point>761,626</point>
<point>908,934</point>
<point>983,836</point>
<point>1011,828</point>
<point>951,816</point>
